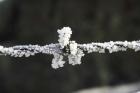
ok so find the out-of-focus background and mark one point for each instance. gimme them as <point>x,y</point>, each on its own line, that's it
<point>36,22</point>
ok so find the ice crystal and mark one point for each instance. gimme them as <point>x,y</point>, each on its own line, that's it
<point>73,47</point>
<point>110,46</point>
<point>76,59</point>
<point>64,36</point>
<point>57,61</point>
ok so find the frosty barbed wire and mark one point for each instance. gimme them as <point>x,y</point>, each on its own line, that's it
<point>110,46</point>
<point>67,48</point>
<point>29,50</point>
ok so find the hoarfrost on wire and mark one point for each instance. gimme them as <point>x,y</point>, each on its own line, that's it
<point>64,36</point>
<point>70,49</point>
<point>57,61</point>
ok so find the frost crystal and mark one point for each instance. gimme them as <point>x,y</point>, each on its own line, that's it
<point>64,36</point>
<point>57,61</point>
<point>74,52</point>
<point>110,46</point>
<point>73,47</point>
<point>76,59</point>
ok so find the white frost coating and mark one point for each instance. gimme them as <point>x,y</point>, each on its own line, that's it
<point>29,50</point>
<point>67,48</point>
<point>57,61</point>
<point>110,46</point>
<point>76,59</point>
<point>73,47</point>
<point>64,36</point>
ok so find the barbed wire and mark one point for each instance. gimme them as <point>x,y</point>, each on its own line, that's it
<point>67,48</point>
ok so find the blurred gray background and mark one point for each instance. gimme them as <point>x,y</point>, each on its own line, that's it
<point>36,22</point>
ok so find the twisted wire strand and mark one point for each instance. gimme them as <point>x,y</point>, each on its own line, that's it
<point>110,46</point>
<point>29,50</point>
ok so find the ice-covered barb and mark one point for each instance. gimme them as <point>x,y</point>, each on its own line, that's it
<point>73,47</point>
<point>57,61</point>
<point>64,36</point>
<point>76,58</point>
